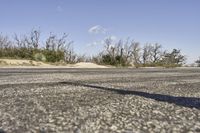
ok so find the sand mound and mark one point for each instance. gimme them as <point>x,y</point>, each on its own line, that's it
<point>14,62</point>
<point>30,63</point>
<point>88,65</point>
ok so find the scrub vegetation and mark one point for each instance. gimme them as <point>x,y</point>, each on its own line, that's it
<point>121,53</point>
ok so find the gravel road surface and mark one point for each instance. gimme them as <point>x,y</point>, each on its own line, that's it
<point>99,100</point>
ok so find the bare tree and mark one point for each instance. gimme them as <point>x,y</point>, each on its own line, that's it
<point>117,52</point>
<point>147,53</point>
<point>198,62</point>
<point>71,56</point>
<point>4,41</point>
<point>110,46</point>
<point>21,42</point>
<point>17,41</point>
<point>156,52</point>
<point>126,51</point>
<point>5,46</point>
<point>35,37</point>
<point>174,58</point>
<point>136,52</point>
<point>55,44</point>
<point>62,42</point>
<point>32,41</point>
<point>28,41</point>
<point>61,46</point>
<point>51,42</point>
<point>119,47</point>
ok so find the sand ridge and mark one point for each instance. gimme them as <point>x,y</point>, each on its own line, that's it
<point>19,63</point>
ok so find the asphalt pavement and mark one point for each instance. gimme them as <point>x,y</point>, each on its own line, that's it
<point>48,100</point>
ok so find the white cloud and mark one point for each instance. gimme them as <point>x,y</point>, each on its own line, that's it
<point>97,30</point>
<point>95,43</point>
<point>59,9</point>
<point>102,42</point>
<point>112,38</point>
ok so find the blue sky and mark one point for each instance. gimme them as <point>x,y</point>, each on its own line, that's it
<point>172,23</point>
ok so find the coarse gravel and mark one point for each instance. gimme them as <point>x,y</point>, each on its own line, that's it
<point>110,100</point>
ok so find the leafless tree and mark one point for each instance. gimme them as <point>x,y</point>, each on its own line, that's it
<point>147,53</point>
<point>198,62</point>
<point>55,44</point>
<point>109,46</point>
<point>33,39</point>
<point>175,57</point>
<point>136,52</point>
<point>51,42</point>
<point>156,52</point>
<point>5,45</point>
<point>18,41</point>
<point>70,56</point>
<point>28,41</point>
<point>126,51</point>
<point>4,41</point>
<point>21,42</point>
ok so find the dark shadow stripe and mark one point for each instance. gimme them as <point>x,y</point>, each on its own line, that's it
<point>190,102</point>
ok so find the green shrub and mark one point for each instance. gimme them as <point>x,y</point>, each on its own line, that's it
<point>39,57</point>
<point>54,56</point>
<point>106,59</point>
<point>171,65</point>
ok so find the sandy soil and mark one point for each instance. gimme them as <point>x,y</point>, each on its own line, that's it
<point>13,63</point>
<point>88,65</point>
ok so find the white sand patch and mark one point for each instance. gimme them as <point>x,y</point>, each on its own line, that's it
<point>15,63</point>
<point>88,65</point>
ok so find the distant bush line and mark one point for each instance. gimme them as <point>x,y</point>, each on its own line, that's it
<point>54,49</point>
<point>121,53</point>
<point>127,53</point>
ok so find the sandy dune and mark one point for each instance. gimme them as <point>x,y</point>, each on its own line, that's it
<point>88,65</point>
<point>13,63</point>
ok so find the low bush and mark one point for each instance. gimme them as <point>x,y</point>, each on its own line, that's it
<point>39,57</point>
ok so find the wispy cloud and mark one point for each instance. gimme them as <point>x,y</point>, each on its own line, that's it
<point>112,38</point>
<point>102,42</point>
<point>95,43</point>
<point>59,8</point>
<point>97,29</point>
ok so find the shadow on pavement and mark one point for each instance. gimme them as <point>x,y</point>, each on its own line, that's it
<point>190,102</point>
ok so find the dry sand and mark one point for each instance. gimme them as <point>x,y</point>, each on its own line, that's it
<point>13,63</point>
<point>88,65</point>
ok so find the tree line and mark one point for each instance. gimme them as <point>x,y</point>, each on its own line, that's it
<point>126,53</point>
<point>118,53</point>
<point>29,46</point>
